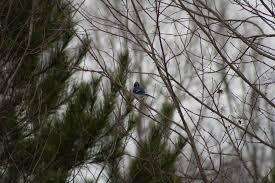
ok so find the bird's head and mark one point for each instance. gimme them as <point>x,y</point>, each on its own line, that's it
<point>136,84</point>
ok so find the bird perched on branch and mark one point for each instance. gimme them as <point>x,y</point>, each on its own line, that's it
<point>139,90</point>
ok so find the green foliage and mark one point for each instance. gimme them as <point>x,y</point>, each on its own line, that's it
<point>85,131</point>
<point>270,178</point>
<point>155,161</point>
<point>273,175</point>
<point>51,125</point>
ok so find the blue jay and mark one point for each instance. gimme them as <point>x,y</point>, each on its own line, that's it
<point>139,90</point>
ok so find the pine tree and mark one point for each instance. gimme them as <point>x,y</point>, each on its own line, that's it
<point>155,161</point>
<point>49,125</point>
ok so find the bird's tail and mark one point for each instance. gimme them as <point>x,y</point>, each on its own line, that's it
<point>150,96</point>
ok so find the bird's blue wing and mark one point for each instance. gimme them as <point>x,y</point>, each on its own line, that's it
<point>139,90</point>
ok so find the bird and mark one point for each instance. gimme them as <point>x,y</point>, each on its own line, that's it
<point>139,90</point>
